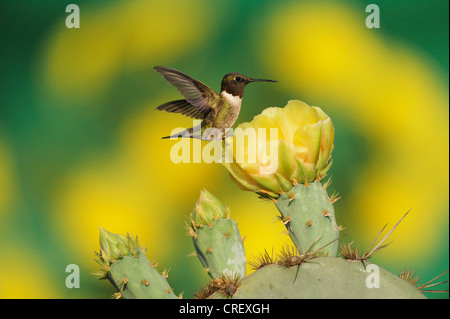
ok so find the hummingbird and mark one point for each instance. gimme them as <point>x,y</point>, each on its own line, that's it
<point>216,110</point>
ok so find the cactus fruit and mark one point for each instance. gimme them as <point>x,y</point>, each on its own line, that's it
<point>309,269</point>
<point>216,238</point>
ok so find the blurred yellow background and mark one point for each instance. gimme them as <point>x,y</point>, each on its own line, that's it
<point>80,139</point>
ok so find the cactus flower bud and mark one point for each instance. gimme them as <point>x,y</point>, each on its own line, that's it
<point>207,209</point>
<point>303,143</point>
<point>114,246</point>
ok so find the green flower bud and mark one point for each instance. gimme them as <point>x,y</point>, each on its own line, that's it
<point>114,246</point>
<point>207,209</point>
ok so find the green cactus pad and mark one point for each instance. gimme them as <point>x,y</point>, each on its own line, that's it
<point>136,278</point>
<point>309,215</point>
<point>220,248</point>
<point>322,278</point>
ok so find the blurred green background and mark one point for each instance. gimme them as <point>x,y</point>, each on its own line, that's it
<point>80,143</point>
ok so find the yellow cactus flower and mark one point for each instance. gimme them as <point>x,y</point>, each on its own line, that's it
<point>300,142</point>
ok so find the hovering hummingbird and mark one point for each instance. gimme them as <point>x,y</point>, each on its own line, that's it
<point>218,111</point>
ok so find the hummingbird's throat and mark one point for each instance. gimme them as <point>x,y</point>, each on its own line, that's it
<point>234,101</point>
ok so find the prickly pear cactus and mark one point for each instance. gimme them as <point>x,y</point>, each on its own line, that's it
<point>314,266</point>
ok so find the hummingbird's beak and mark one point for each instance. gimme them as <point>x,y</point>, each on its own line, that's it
<point>262,80</point>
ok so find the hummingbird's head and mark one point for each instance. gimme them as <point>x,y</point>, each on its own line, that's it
<point>235,83</point>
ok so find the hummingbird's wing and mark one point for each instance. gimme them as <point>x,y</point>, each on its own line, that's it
<point>183,107</point>
<point>197,94</point>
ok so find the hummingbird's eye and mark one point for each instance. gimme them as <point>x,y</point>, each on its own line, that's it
<point>238,79</point>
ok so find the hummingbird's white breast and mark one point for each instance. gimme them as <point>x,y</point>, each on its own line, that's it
<point>231,115</point>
